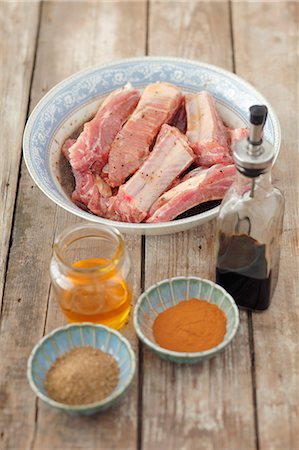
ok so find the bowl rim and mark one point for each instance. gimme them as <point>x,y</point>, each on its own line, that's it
<point>186,355</point>
<point>116,393</point>
<point>171,226</point>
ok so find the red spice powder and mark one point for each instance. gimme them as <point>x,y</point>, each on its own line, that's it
<point>190,326</point>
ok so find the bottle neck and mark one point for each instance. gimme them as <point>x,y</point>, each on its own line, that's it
<point>245,184</point>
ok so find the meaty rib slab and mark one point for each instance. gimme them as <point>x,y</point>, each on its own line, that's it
<point>91,190</point>
<point>199,187</point>
<point>206,131</point>
<point>158,104</point>
<point>171,155</point>
<point>93,144</point>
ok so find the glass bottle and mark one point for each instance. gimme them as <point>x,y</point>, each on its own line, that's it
<point>250,222</point>
<point>90,275</point>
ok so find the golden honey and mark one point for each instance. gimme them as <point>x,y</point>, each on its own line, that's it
<point>93,289</point>
<point>105,298</point>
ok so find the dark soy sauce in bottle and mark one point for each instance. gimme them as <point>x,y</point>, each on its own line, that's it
<point>250,222</point>
<point>242,271</point>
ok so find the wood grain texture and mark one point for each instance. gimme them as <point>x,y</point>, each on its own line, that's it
<point>105,34</point>
<point>17,49</point>
<point>206,406</point>
<point>270,60</point>
<point>92,34</point>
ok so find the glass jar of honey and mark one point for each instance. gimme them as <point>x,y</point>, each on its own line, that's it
<point>90,275</point>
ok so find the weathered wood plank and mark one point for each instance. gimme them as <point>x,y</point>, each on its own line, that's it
<point>207,406</point>
<point>92,34</point>
<point>106,44</point>
<point>269,58</point>
<point>17,49</point>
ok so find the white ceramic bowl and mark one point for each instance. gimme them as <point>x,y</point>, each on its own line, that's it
<point>73,101</point>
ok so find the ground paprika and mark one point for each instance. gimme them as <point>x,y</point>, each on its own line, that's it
<point>190,326</point>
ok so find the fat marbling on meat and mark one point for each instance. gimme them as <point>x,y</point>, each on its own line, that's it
<point>93,144</point>
<point>92,191</point>
<point>158,104</point>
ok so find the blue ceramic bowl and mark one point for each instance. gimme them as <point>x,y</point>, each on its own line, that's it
<point>168,293</point>
<point>62,340</point>
<point>73,101</point>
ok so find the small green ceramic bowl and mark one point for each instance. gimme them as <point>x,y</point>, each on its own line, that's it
<point>168,293</point>
<point>62,340</point>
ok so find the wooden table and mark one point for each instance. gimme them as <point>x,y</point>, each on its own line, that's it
<point>247,397</point>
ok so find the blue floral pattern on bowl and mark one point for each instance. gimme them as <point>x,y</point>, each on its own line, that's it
<point>170,292</point>
<point>63,340</point>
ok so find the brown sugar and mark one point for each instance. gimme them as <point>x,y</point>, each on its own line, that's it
<point>83,375</point>
<point>190,326</point>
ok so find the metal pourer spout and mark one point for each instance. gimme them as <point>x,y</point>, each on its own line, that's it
<point>253,156</point>
<point>258,116</point>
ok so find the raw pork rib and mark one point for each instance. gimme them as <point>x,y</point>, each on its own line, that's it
<point>170,156</point>
<point>93,144</point>
<point>200,186</point>
<point>100,198</point>
<point>92,191</point>
<point>158,104</point>
<point>206,131</point>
